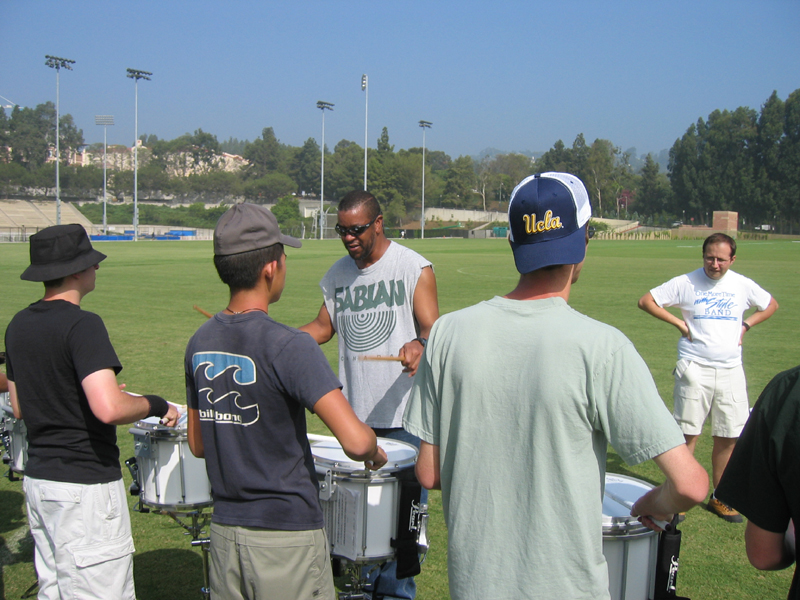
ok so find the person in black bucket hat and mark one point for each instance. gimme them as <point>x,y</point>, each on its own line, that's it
<point>62,372</point>
<point>59,251</point>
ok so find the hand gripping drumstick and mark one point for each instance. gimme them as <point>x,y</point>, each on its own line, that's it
<point>629,505</point>
<point>201,311</point>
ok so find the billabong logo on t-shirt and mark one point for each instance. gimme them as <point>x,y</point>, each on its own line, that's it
<point>219,400</point>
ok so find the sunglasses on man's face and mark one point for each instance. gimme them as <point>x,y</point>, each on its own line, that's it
<point>355,230</point>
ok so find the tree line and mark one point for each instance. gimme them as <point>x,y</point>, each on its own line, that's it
<point>743,160</point>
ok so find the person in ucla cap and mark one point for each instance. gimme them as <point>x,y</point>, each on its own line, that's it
<point>62,372</point>
<point>516,400</point>
<point>249,381</point>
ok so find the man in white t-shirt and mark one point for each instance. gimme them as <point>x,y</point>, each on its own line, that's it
<point>709,377</point>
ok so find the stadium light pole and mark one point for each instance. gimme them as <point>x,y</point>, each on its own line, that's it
<point>323,106</point>
<point>136,75</point>
<point>365,88</point>
<point>58,63</point>
<point>9,106</point>
<point>425,125</point>
<point>105,121</point>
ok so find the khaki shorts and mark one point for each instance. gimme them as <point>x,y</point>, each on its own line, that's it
<point>268,563</point>
<point>701,390</point>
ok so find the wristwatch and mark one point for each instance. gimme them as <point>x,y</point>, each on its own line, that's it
<point>421,340</point>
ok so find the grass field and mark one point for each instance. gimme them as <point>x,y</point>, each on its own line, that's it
<point>145,294</point>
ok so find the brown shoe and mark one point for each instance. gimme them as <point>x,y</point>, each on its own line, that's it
<point>724,511</point>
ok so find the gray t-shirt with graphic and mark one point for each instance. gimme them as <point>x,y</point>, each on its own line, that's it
<point>372,310</point>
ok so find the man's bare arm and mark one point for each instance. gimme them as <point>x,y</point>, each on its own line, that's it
<point>193,433</point>
<point>113,406</point>
<point>321,328</point>
<point>427,469</point>
<point>648,304</point>
<point>426,311</point>
<point>686,485</point>
<point>767,550</point>
<point>358,440</point>
<point>762,315</point>
<point>12,395</point>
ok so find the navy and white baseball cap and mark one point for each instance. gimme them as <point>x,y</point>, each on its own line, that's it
<point>547,215</point>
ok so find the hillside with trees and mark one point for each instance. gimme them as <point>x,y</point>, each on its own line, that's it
<point>742,160</point>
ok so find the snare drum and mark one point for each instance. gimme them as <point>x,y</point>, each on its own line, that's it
<point>15,439</point>
<point>361,507</point>
<point>170,477</point>
<point>630,548</point>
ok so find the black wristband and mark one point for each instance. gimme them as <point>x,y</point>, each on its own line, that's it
<point>746,326</point>
<point>158,406</point>
<point>422,341</point>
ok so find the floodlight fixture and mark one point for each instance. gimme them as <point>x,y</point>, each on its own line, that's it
<point>136,75</point>
<point>425,125</point>
<point>323,106</point>
<point>105,121</point>
<point>58,63</point>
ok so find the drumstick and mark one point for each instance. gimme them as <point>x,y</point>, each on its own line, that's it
<point>201,311</point>
<point>629,505</point>
<point>368,357</point>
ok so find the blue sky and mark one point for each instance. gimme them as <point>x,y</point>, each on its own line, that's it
<point>511,75</point>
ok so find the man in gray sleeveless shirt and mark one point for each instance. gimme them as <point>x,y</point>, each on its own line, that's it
<point>381,300</point>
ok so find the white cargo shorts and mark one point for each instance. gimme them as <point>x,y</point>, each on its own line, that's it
<point>82,533</point>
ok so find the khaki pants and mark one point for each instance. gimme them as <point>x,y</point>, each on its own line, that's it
<point>254,564</point>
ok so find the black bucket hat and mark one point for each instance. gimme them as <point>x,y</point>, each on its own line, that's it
<point>59,251</point>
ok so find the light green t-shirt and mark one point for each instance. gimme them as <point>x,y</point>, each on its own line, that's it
<point>523,398</point>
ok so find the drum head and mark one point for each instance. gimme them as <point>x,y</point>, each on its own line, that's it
<point>617,519</point>
<point>328,453</point>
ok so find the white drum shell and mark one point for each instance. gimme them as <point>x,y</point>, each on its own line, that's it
<point>17,435</point>
<point>361,508</point>
<point>630,548</point>
<point>170,476</point>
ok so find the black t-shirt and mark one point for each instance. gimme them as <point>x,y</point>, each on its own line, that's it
<point>51,346</point>
<point>252,380</point>
<point>762,478</point>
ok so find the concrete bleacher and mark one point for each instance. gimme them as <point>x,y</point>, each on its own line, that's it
<point>35,215</point>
